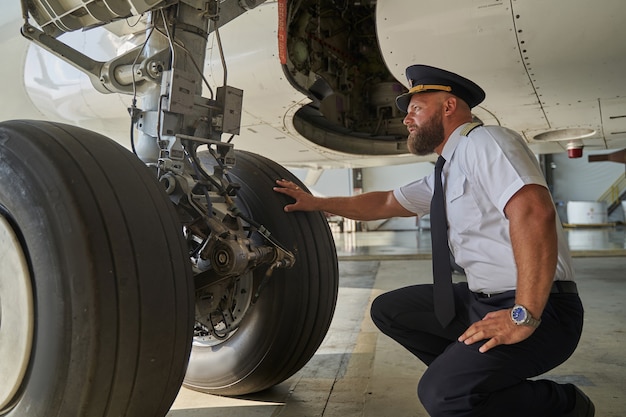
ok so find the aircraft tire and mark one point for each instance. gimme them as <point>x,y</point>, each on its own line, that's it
<point>94,261</point>
<point>284,328</point>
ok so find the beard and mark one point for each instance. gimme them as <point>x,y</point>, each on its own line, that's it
<point>423,140</point>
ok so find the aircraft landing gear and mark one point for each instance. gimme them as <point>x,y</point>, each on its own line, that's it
<point>97,292</point>
<point>284,327</point>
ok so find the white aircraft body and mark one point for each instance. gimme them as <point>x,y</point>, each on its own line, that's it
<point>558,81</point>
<point>101,294</point>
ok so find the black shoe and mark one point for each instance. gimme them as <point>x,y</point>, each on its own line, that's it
<point>583,407</point>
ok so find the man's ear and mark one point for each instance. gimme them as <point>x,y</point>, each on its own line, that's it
<point>449,105</point>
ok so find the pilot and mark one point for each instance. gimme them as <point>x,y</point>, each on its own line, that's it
<point>518,315</point>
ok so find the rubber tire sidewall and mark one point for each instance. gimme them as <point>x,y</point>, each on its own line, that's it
<point>110,275</point>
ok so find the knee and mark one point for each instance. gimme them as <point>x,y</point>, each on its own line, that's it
<point>379,312</point>
<point>436,396</point>
<point>428,392</point>
<point>443,398</point>
<point>376,311</point>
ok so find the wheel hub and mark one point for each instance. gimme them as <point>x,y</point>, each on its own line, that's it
<point>230,314</point>
<point>16,314</point>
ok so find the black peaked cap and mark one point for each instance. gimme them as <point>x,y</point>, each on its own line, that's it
<point>424,78</point>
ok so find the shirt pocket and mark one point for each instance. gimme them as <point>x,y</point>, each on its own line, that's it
<point>462,209</point>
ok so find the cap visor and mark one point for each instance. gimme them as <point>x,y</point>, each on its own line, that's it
<point>402,101</point>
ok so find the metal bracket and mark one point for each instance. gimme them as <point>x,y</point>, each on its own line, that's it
<point>81,61</point>
<point>231,101</point>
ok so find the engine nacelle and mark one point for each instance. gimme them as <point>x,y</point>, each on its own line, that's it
<point>59,16</point>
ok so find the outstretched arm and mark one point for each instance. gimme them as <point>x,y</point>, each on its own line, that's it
<point>367,206</point>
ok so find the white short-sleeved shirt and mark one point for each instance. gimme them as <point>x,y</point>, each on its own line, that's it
<point>482,172</point>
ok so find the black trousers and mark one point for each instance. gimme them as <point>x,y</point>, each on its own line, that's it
<point>461,381</point>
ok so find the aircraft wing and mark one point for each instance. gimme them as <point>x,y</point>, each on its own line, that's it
<point>323,94</point>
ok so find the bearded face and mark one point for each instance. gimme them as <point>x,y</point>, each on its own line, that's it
<point>425,138</point>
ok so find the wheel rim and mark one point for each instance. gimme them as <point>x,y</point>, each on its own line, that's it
<point>16,314</point>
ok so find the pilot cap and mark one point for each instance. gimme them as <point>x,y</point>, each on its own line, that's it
<point>423,78</point>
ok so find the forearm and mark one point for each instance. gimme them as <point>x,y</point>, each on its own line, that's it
<point>369,206</point>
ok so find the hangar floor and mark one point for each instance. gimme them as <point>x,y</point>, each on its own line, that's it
<point>359,372</point>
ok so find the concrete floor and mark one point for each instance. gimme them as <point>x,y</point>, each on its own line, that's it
<point>359,372</point>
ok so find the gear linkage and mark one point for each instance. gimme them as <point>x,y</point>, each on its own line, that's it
<point>208,196</point>
<point>225,243</point>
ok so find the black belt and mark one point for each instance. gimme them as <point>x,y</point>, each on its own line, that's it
<point>558,287</point>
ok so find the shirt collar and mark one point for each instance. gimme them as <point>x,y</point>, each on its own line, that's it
<point>452,143</point>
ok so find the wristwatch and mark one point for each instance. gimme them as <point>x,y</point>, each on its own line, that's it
<point>521,317</point>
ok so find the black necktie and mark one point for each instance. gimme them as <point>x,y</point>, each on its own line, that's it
<point>442,272</point>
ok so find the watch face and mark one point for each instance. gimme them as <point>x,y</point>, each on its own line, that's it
<point>518,314</point>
